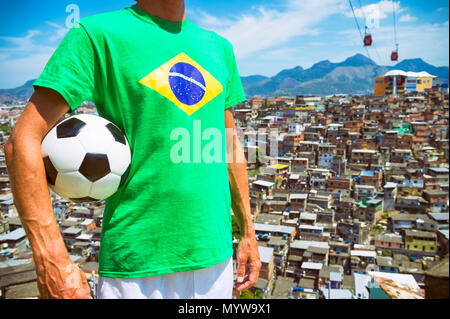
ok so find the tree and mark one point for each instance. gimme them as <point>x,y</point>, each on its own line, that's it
<point>253,173</point>
<point>258,158</point>
<point>6,128</point>
<point>278,182</point>
<point>246,294</point>
<point>258,294</point>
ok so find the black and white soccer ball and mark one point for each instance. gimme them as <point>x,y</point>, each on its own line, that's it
<point>86,157</point>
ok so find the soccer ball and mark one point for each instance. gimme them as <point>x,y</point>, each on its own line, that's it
<point>86,158</point>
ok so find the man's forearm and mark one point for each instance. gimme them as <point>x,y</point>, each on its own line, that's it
<point>249,262</point>
<point>57,275</point>
<point>240,201</point>
<point>32,200</point>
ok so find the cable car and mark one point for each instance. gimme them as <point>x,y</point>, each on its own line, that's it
<point>368,40</point>
<point>394,56</point>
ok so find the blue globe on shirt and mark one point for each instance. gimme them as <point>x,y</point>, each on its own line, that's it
<point>187,83</point>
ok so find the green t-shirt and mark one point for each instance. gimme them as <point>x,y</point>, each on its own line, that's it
<point>166,85</point>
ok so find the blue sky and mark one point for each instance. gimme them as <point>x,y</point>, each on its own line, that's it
<point>268,35</point>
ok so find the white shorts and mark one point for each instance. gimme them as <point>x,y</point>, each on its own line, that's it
<point>214,282</point>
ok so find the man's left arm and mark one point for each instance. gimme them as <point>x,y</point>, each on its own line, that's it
<point>249,262</point>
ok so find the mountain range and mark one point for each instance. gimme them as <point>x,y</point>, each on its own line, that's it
<point>20,93</point>
<point>355,75</point>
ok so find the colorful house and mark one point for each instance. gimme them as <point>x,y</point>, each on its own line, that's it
<point>422,241</point>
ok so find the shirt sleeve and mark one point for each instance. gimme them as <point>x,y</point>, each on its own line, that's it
<point>235,92</point>
<point>72,70</point>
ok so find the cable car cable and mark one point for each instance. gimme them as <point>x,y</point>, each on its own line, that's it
<point>359,28</point>
<point>376,51</point>
<point>367,28</point>
<point>395,23</point>
<point>394,54</point>
<point>356,20</point>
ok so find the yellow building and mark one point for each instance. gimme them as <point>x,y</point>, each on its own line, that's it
<point>423,241</point>
<point>278,169</point>
<point>424,83</point>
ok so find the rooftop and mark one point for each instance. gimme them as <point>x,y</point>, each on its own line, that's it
<point>298,196</point>
<point>17,234</point>
<point>311,266</point>
<point>402,280</point>
<point>439,216</point>
<point>336,293</point>
<point>363,253</point>
<point>308,216</point>
<point>421,234</point>
<point>440,270</point>
<point>274,228</point>
<point>304,244</point>
<point>263,183</point>
<point>265,254</point>
<point>393,238</point>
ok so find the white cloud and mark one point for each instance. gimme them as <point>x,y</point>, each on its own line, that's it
<point>60,32</point>
<point>407,18</point>
<point>266,28</point>
<point>381,9</point>
<point>24,60</point>
<point>15,72</point>
<point>22,43</point>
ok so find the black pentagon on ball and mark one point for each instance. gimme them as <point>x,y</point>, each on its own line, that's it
<point>116,133</point>
<point>69,128</point>
<point>50,171</point>
<point>84,200</point>
<point>95,166</point>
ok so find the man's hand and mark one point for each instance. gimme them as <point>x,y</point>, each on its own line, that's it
<point>62,281</point>
<point>249,263</point>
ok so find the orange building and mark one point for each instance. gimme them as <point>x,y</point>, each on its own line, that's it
<point>380,86</point>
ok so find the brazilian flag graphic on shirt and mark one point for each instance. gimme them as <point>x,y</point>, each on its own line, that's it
<point>184,82</point>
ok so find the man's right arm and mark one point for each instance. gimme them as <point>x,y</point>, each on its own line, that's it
<point>58,276</point>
